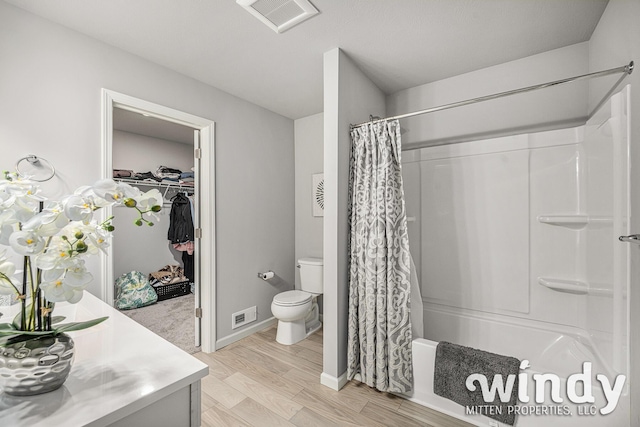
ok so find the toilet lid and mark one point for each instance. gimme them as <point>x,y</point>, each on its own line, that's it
<point>291,298</point>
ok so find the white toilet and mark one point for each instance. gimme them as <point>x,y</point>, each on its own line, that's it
<point>297,311</point>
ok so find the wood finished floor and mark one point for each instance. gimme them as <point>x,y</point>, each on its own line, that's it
<point>258,382</point>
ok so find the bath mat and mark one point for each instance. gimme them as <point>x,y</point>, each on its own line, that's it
<point>454,363</point>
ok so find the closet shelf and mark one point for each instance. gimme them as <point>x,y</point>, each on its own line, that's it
<point>160,185</point>
<point>576,287</point>
<point>574,221</point>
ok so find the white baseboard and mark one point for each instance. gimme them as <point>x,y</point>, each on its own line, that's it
<point>333,382</point>
<point>230,339</point>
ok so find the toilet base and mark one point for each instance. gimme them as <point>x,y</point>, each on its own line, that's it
<point>313,327</point>
<point>289,333</point>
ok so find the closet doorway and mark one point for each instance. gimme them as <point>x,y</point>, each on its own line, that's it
<point>131,128</point>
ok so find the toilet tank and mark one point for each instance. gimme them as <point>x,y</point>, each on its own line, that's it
<point>311,277</point>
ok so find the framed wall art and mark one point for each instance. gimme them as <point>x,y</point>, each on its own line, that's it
<point>318,194</point>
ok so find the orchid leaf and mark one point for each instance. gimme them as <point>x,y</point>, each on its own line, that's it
<point>77,326</point>
<point>8,330</point>
<point>5,332</point>
<point>6,327</point>
<point>57,319</point>
<point>8,337</point>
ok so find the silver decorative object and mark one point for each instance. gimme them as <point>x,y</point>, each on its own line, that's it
<point>35,365</point>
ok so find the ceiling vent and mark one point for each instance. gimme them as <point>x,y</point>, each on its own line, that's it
<point>279,15</point>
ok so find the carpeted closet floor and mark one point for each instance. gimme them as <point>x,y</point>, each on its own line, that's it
<point>172,319</point>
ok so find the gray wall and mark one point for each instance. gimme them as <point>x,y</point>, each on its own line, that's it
<point>616,41</point>
<point>546,109</point>
<point>50,83</point>
<point>309,144</point>
<point>349,98</point>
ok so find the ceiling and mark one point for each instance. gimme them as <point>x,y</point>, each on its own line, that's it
<point>129,121</point>
<point>398,43</point>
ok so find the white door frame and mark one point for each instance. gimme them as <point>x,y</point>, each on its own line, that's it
<point>111,99</point>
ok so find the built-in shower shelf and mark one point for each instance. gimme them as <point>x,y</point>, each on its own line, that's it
<point>575,221</point>
<point>576,287</point>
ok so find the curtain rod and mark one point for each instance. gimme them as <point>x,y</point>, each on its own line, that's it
<point>624,69</point>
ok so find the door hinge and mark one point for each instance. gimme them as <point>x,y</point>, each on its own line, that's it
<point>197,153</point>
<point>199,312</point>
<point>198,233</point>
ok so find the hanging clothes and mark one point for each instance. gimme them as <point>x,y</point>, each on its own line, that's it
<point>180,220</point>
<point>189,266</point>
<point>181,232</point>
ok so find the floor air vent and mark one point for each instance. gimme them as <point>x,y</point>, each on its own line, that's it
<point>279,15</point>
<point>243,317</point>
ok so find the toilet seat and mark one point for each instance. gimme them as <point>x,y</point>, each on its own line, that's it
<point>292,298</point>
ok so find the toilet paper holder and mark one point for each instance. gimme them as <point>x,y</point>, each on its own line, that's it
<point>266,275</point>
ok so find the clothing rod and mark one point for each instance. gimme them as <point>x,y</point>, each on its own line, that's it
<point>624,69</point>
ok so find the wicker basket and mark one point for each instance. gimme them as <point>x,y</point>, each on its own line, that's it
<point>172,290</point>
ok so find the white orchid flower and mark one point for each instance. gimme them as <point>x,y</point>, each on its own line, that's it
<point>6,231</point>
<point>24,208</point>
<point>8,223</point>
<point>57,256</point>
<point>115,192</point>
<point>6,266</point>
<point>52,285</point>
<point>20,196</point>
<point>99,239</point>
<point>91,234</point>
<point>7,217</point>
<point>49,221</point>
<point>54,289</point>
<point>148,200</point>
<point>78,276</point>
<point>89,195</point>
<point>6,200</point>
<point>7,269</point>
<point>20,187</point>
<point>65,285</point>
<point>77,208</point>
<point>26,242</point>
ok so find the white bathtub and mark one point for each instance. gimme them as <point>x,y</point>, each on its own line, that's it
<point>424,353</point>
<point>516,246</point>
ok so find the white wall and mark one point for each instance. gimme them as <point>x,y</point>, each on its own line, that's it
<point>144,248</point>
<point>309,150</point>
<point>546,109</point>
<point>50,87</point>
<point>616,41</point>
<point>349,98</point>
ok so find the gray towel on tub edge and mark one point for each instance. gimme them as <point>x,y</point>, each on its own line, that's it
<point>454,363</point>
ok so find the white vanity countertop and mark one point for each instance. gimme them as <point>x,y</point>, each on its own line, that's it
<point>120,367</point>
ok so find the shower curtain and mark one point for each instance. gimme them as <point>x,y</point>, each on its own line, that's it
<point>379,336</point>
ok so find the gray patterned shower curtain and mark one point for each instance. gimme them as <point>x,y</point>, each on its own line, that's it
<point>379,343</point>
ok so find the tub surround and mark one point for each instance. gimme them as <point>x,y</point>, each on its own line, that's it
<point>519,254</point>
<point>122,375</point>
